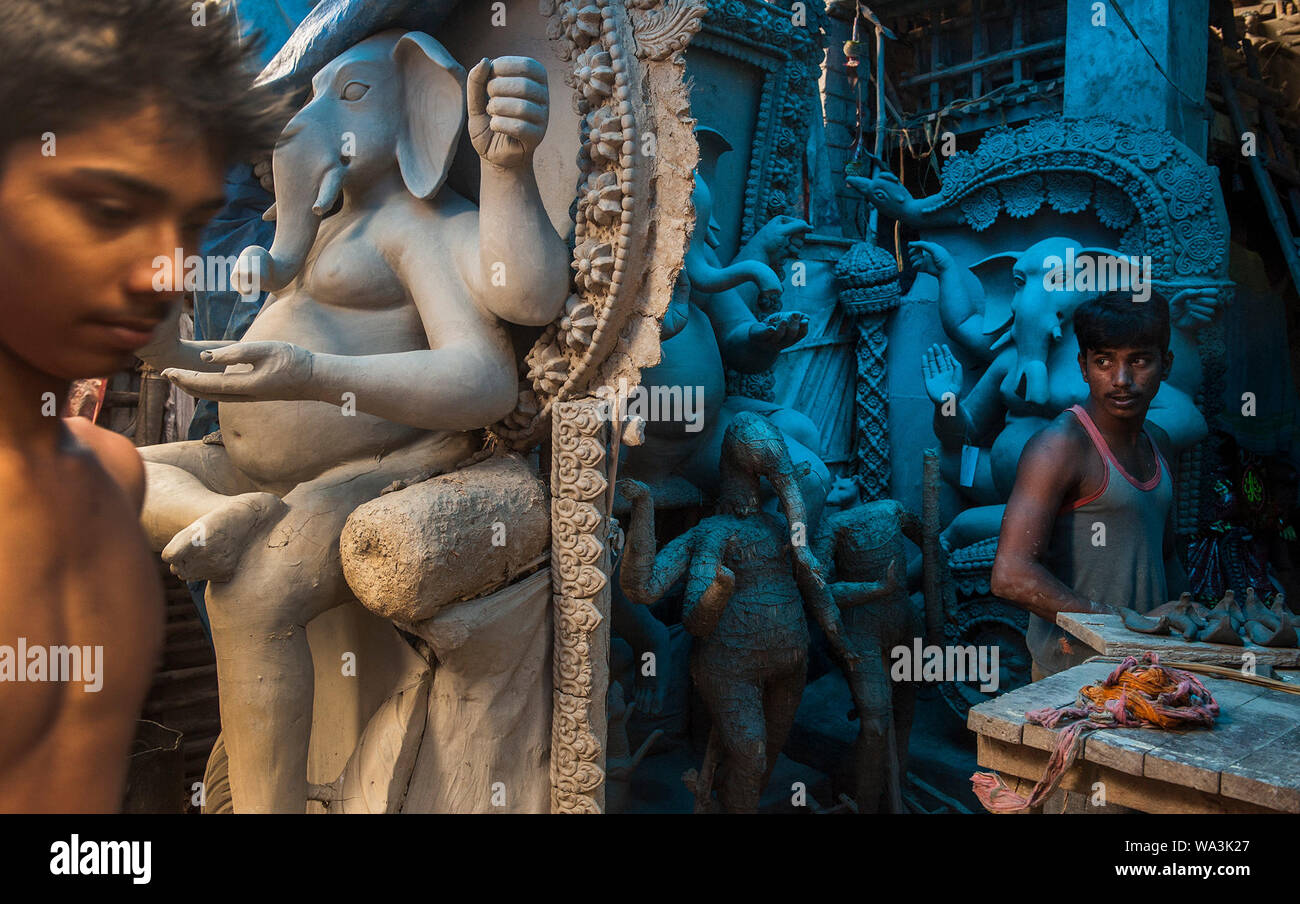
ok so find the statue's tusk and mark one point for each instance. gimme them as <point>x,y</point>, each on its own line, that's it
<point>330,187</point>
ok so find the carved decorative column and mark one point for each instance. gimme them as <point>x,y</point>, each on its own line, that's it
<point>580,568</point>
<point>866,279</point>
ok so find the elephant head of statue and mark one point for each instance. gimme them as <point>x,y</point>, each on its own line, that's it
<point>753,448</point>
<point>391,107</point>
<point>884,191</point>
<point>1051,279</point>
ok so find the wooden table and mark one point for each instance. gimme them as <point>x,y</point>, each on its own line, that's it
<point>1107,635</point>
<point>1248,763</point>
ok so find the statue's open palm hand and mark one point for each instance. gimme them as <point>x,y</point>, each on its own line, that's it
<point>255,372</point>
<point>942,372</point>
<point>508,104</point>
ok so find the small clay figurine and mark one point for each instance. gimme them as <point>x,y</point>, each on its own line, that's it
<point>863,545</point>
<point>749,574</point>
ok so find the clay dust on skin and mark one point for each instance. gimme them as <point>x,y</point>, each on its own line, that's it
<point>22,662</point>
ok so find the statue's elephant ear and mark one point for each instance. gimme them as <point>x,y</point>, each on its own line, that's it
<point>995,275</point>
<point>1123,265</point>
<point>433,85</point>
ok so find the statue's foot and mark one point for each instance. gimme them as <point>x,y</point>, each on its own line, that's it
<point>650,691</point>
<point>210,548</point>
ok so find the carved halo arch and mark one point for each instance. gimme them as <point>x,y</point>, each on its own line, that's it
<point>633,217</point>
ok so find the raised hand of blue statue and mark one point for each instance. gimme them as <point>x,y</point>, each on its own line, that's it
<point>943,374</point>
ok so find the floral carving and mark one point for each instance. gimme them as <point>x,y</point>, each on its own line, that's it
<point>547,367</point>
<point>603,201</point>
<point>981,209</point>
<point>1112,206</point>
<point>1068,192</point>
<point>1022,197</point>
<point>593,72</point>
<point>593,263</point>
<point>582,25</point>
<point>605,136</point>
<point>578,323</point>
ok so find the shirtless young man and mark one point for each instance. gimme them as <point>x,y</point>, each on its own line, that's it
<point>119,121</point>
<point>1087,527</point>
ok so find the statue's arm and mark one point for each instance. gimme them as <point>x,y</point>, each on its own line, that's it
<point>464,380</point>
<point>747,344</point>
<point>645,576</point>
<point>849,594</point>
<point>184,354</point>
<point>960,311</point>
<point>709,585</point>
<point>810,576</point>
<point>515,263</point>
<point>168,349</point>
<point>972,416</point>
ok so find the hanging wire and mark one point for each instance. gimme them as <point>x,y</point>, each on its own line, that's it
<point>1161,69</point>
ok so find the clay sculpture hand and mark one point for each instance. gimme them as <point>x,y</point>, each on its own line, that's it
<point>748,579</point>
<point>1228,622</point>
<point>381,351</point>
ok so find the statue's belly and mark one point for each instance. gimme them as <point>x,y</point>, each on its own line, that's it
<point>281,444</point>
<point>690,367</point>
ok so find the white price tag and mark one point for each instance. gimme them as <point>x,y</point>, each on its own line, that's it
<point>970,456</point>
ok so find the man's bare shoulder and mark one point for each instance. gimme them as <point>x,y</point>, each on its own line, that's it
<point>1161,438</point>
<point>116,454</point>
<point>1059,443</point>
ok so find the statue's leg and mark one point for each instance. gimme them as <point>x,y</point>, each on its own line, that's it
<point>871,696</point>
<point>781,695</point>
<point>797,426</point>
<point>290,574</point>
<point>735,703</point>
<point>183,482</point>
<point>905,691</point>
<point>645,634</point>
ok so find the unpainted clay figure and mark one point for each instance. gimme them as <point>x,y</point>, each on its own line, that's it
<point>711,325</point>
<point>382,349</point>
<point>749,574</point>
<point>1228,622</point>
<point>862,545</point>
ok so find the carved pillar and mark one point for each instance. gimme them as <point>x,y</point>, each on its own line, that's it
<point>867,280</point>
<point>580,574</point>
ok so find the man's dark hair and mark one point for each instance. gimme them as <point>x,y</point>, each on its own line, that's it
<point>1117,320</point>
<point>67,64</point>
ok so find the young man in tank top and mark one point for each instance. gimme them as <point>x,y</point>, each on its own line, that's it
<point>119,122</point>
<point>1087,527</point>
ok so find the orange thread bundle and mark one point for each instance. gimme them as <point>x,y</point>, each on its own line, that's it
<point>1134,695</point>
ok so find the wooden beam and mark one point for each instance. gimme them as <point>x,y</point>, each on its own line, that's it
<point>997,59</point>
